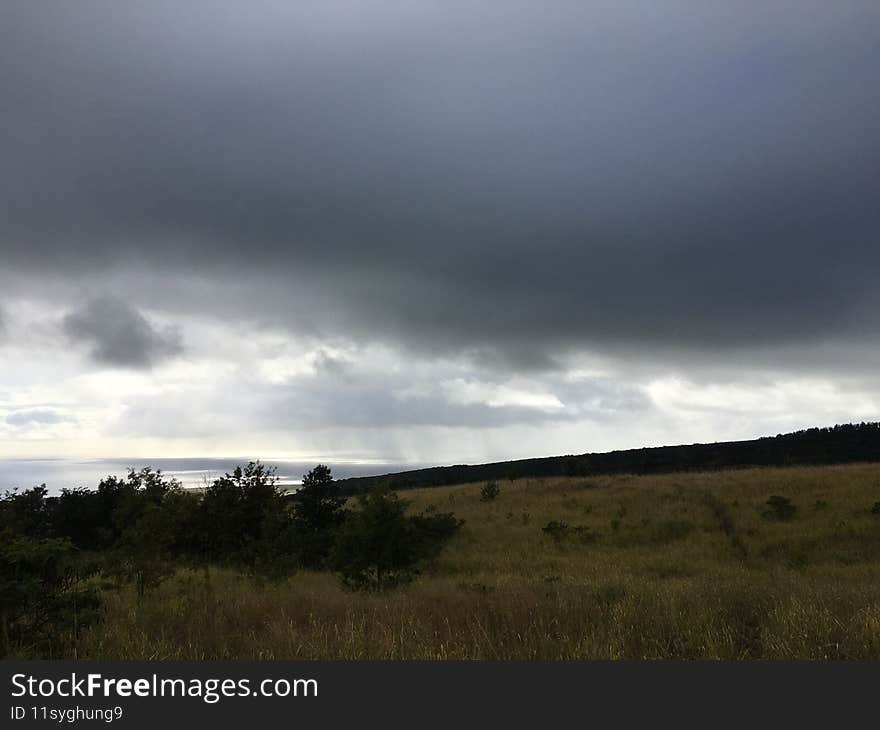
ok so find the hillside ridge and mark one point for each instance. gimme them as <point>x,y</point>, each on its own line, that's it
<point>839,444</point>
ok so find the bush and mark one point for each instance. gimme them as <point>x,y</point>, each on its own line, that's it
<point>379,547</point>
<point>432,530</point>
<point>490,491</point>
<point>43,600</point>
<point>375,548</point>
<point>779,508</point>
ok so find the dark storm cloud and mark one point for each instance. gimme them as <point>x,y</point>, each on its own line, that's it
<point>120,336</point>
<point>510,182</point>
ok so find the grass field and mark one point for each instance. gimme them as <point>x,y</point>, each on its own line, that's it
<point>674,566</point>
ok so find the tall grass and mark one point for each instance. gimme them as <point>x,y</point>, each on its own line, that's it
<point>680,565</point>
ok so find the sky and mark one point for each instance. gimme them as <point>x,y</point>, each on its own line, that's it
<point>434,232</point>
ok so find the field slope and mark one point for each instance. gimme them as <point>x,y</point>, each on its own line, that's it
<point>678,565</point>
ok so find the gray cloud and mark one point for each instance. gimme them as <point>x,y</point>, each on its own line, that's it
<point>510,182</point>
<point>375,401</point>
<point>399,400</point>
<point>327,364</point>
<point>33,417</point>
<point>373,406</point>
<point>119,335</point>
<point>513,187</point>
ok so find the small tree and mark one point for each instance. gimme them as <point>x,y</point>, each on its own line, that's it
<point>318,513</point>
<point>145,528</point>
<point>143,550</point>
<point>26,512</point>
<point>318,502</point>
<point>234,509</point>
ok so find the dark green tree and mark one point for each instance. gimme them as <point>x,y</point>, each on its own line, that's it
<point>143,528</point>
<point>27,512</point>
<point>43,597</point>
<point>319,504</point>
<point>318,514</point>
<point>233,512</point>
<point>79,515</point>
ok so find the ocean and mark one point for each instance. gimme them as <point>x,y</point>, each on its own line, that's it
<point>58,474</point>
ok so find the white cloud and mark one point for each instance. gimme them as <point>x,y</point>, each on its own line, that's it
<point>499,395</point>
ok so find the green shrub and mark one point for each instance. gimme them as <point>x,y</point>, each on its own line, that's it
<point>432,530</point>
<point>379,547</point>
<point>490,491</point>
<point>779,508</point>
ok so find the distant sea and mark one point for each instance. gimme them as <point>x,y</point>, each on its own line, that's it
<point>60,474</point>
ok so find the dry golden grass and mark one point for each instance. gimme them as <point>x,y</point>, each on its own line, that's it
<point>682,565</point>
